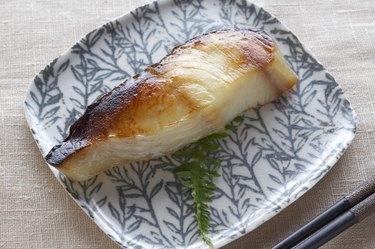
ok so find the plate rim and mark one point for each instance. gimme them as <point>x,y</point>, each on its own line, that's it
<point>259,221</point>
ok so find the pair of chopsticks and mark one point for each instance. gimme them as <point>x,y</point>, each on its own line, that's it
<point>350,210</point>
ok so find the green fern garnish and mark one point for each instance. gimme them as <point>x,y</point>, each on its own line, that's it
<point>198,173</point>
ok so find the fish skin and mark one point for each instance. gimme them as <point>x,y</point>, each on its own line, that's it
<point>192,92</point>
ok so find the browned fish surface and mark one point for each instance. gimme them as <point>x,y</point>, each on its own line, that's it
<point>193,92</point>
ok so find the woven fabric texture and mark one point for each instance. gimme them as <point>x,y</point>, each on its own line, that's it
<point>36,212</point>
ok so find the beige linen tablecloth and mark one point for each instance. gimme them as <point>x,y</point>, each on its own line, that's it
<point>35,211</point>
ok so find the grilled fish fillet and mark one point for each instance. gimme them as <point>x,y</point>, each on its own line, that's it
<point>192,92</point>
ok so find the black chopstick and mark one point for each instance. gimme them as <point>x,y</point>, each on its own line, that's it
<point>349,210</point>
<point>340,224</point>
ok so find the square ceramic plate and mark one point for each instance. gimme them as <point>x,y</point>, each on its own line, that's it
<point>278,152</point>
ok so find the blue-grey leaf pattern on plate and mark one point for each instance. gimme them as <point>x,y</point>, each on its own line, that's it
<point>278,152</point>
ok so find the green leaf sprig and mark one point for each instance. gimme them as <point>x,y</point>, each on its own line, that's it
<point>198,173</point>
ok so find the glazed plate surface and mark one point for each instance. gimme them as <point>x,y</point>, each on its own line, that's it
<point>278,152</point>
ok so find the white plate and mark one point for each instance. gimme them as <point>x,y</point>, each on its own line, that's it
<point>278,153</point>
